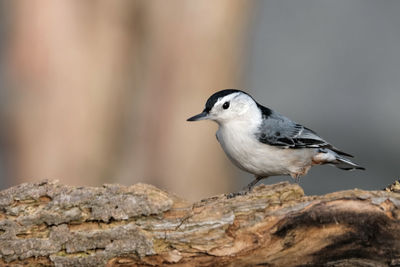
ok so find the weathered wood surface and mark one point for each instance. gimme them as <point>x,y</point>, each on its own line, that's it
<point>52,224</point>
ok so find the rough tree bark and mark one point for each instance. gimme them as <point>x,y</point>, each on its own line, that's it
<point>52,224</point>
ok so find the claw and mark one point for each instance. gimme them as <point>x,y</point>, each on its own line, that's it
<point>246,189</point>
<point>235,194</point>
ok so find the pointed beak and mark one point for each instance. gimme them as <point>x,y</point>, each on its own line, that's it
<point>199,117</point>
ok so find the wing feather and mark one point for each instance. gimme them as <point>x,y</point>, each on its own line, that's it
<point>280,131</point>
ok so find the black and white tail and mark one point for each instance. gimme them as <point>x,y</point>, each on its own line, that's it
<point>345,164</point>
<point>328,156</point>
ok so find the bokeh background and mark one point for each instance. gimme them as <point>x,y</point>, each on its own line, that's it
<point>95,92</point>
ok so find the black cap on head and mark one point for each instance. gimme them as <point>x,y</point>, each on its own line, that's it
<point>211,102</point>
<point>214,98</point>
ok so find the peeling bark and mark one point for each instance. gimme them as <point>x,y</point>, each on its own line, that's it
<point>51,224</point>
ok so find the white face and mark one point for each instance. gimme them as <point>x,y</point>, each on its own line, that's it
<point>233,107</point>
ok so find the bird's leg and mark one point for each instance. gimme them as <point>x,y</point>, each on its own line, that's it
<point>246,189</point>
<point>252,183</point>
<point>296,175</point>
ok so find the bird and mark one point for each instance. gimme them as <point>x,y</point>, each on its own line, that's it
<point>265,143</point>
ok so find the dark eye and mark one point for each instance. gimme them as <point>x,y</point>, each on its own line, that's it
<point>225,105</point>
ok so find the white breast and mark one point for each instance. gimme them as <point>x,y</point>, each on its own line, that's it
<point>246,152</point>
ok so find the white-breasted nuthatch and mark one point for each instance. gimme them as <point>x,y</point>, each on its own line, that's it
<point>265,143</point>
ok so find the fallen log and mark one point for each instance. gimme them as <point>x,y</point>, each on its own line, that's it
<point>50,224</point>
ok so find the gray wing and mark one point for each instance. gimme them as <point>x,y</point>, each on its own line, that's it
<point>278,130</point>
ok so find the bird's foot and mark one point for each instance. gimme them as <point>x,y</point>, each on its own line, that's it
<point>235,194</point>
<point>296,177</point>
<point>246,189</point>
<point>301,172</point>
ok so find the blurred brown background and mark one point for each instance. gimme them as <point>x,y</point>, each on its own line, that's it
<point>97,92</point>
<point>100,90</point>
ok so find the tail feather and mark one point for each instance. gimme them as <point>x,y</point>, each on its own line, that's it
<point>331,156</point>
<point>341,152</point>
<point>346,164</point>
